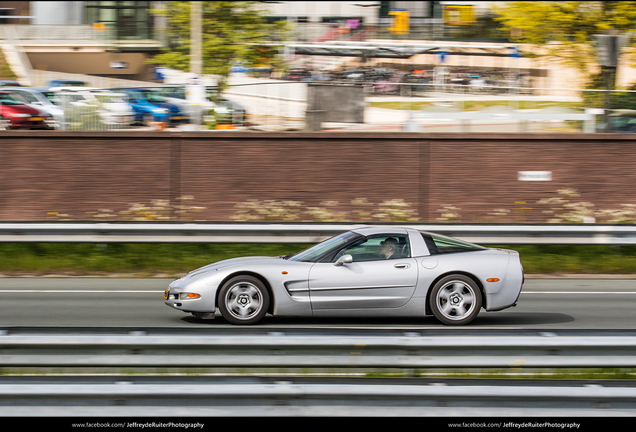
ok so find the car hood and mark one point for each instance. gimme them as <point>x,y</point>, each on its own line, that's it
<point>508,251</point>
<point>119,108</point>
<point>50,109</point>
<point>170,106</point>
<point>25,109</point>
<point>214,267</point>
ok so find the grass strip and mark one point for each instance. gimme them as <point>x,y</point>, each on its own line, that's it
<point>175,259</point>
<point>120,258</point>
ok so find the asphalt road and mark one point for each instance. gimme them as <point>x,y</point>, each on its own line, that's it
<point>559,304</point>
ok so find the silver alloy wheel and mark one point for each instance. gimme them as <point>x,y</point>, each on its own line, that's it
<point>456,300</point>
<point>244,300</point>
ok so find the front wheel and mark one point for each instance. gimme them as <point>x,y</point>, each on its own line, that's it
<point>147,119</point>
<point>455,300</point>
<point>243,300</point>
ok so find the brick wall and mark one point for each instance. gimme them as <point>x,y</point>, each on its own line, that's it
<point>82,172</point>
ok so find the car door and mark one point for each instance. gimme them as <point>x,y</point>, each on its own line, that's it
<point>174,95</point>
<point>369,281</point>
<point>134,104</point>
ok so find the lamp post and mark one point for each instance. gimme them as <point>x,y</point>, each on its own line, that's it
<point>196,62</point>
<point>608,51</point>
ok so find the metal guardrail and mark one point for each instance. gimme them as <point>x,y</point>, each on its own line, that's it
<point>275,233</point>
<point>203,403</point>
<point>298,355</point>
<point>285,397</point>
<point>277,350</point>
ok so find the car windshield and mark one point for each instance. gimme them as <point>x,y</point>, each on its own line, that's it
<point>212,94</point>
<point>70,83</point>
<point>106,98</point>
<point>25,96</point>
<point>6,99</point>
<point>153,96</point>
<point>317,252</point>
<point>623,122</point>
<point>54,97</point>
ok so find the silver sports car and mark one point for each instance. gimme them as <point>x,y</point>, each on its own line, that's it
<point>366,272</point>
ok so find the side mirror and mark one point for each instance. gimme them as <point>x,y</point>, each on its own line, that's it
<point>345,259</point>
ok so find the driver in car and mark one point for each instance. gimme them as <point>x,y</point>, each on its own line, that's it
<point>388,248</point>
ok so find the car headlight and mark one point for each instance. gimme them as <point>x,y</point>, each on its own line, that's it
<point>21,115</point>
<point>189,296</point>
<point>162,111</point>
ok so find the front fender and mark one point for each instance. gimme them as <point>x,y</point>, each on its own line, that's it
<point>205,286</point>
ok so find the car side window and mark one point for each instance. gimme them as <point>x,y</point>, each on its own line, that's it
<point>28,97</point>
<point>438,244</point>
<point>378,247</point>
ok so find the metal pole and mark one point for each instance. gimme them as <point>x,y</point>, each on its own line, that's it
<point>196,62</point>
<point>608,84</point>
<point>196,55</point>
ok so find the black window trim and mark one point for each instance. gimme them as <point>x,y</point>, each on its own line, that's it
<point>434,250</point>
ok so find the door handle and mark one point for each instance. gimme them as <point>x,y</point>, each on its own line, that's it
<point>402,265</point>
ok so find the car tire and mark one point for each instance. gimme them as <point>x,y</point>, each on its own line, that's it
<point>243,300</point>
<point>147,119</point>
<point>455,300</point>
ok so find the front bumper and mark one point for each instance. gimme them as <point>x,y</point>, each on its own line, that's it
<point>118,120</point>
<point>39,122</point>
<point>178,299</point>
<point>178,119</point>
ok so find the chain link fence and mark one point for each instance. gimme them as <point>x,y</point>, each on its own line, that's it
<point>263,104</point>
<point>67,110</point>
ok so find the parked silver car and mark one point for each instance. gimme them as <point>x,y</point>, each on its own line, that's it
<point>366,272</point>
<point>176,94</point>
<point>112,109</point>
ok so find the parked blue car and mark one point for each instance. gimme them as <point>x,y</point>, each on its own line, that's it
<point>149,106</point>
<point>64,83</point>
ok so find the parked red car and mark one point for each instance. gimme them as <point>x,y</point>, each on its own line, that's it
<point>19,115</point>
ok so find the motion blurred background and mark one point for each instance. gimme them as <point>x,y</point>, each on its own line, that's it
<point>386,111</point>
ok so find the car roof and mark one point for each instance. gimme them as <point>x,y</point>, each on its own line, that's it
<point>380,229</point>
<point>183,85</point>
<point>29,89</point>
<point>67,81</point>
<point>76,89</point>
<point>625,113</point>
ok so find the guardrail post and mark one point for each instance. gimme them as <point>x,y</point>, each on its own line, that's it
<point>314,120</point>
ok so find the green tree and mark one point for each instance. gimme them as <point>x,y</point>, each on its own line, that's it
<point>232,31</point>
<point>565,29</point>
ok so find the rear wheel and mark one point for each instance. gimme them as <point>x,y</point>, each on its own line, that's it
<point>243,300</point>
<point>455,300</point>
<point>147,119</point>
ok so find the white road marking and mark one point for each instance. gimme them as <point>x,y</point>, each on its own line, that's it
<point>578,292</point>
<point>82,291</point>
